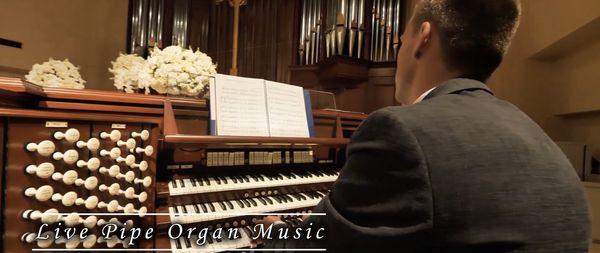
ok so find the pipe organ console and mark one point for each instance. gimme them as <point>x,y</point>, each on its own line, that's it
<point>82,159</point>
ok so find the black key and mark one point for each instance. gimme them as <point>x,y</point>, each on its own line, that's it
<point>207,181</point>
<point>234,179</point>
<point>209,238</point>
<point>262,201</point>
<point>289,198</point>
<point>181,182</point>
<point>302,196</point>
<point>199,181</point>
<point>284,200</point>
<point>247,202</point>
<point>196,209</point>
<point>268,200</point>
<point>193,182</point>
<point>253,202</point>
<point>212,208</point>
<point>217,180</point>
<point>187,243</point>
<point>203,207</point>
<point>177,243</point>
<point>174,185</point>
<point>296,197</point>
<point>240,203</point>
<point>229,204</point>
<point>224,180</point>
<point>277,199</point>
<point>222,205</point>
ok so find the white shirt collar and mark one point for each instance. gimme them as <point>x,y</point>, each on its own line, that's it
<point>420,98</point>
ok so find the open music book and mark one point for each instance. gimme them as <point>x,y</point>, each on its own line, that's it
<point>242,106</point>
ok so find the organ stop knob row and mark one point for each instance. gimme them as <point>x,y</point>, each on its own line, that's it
<point>115,189</point>
<point>52,216</point>
<point>70,177</point>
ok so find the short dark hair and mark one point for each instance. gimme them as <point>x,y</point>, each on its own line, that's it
<point>474,34</point>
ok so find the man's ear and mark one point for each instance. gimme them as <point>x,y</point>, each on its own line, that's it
<point>423,39</point>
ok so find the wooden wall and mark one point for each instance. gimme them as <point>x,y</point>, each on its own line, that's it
<point>265,36</point>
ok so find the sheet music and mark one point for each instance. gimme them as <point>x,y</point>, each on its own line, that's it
<point>287,112</point>
<point>240,106</point>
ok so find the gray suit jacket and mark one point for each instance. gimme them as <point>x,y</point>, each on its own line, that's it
<point>461,171</point>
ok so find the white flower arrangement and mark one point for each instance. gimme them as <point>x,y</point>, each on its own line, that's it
<point>55,73</point>
<point>126,69</point>
<point>177,71</point>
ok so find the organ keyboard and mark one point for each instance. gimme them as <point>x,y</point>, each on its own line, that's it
<point>226,209</point>
<point>248,181</point>
<point>68,154</point>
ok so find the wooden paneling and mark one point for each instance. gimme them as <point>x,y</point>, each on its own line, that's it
<point>265,36</point>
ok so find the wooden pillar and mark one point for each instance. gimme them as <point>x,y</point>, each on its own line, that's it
<point>236,23</point>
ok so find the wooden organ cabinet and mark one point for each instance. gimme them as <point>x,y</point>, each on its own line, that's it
<point>67,152</point>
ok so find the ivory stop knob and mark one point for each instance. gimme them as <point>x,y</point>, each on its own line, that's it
<point>72,219</point>
<point>92,164</point>
<point>114,135</point>
<point>113,171</point>
<point>129,144</point>
<point>90,203</point>
<point>69,157</point>
<point>44,148</point>
<point>41,194</point>
<point>143,165</point>
<point>129,176</point>
<point>92,144</point>
<point>113,189</point>
<point>144,135</point>
<point>130,194</point>
<point>68,199</point>
<point>44,170</point>
<point>68,177</point>
<point>129,160</point>
<point>45,243</point>
<point>89,183</point>
<point>71,135</point>
<point>114,153</point>
<point>147,181</point>
<point>90,241</point>
<point>148,150</point>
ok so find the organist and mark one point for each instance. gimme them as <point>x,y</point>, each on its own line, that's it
<point>455,169</point>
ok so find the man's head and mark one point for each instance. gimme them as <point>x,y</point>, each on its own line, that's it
<point>453,38</point>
